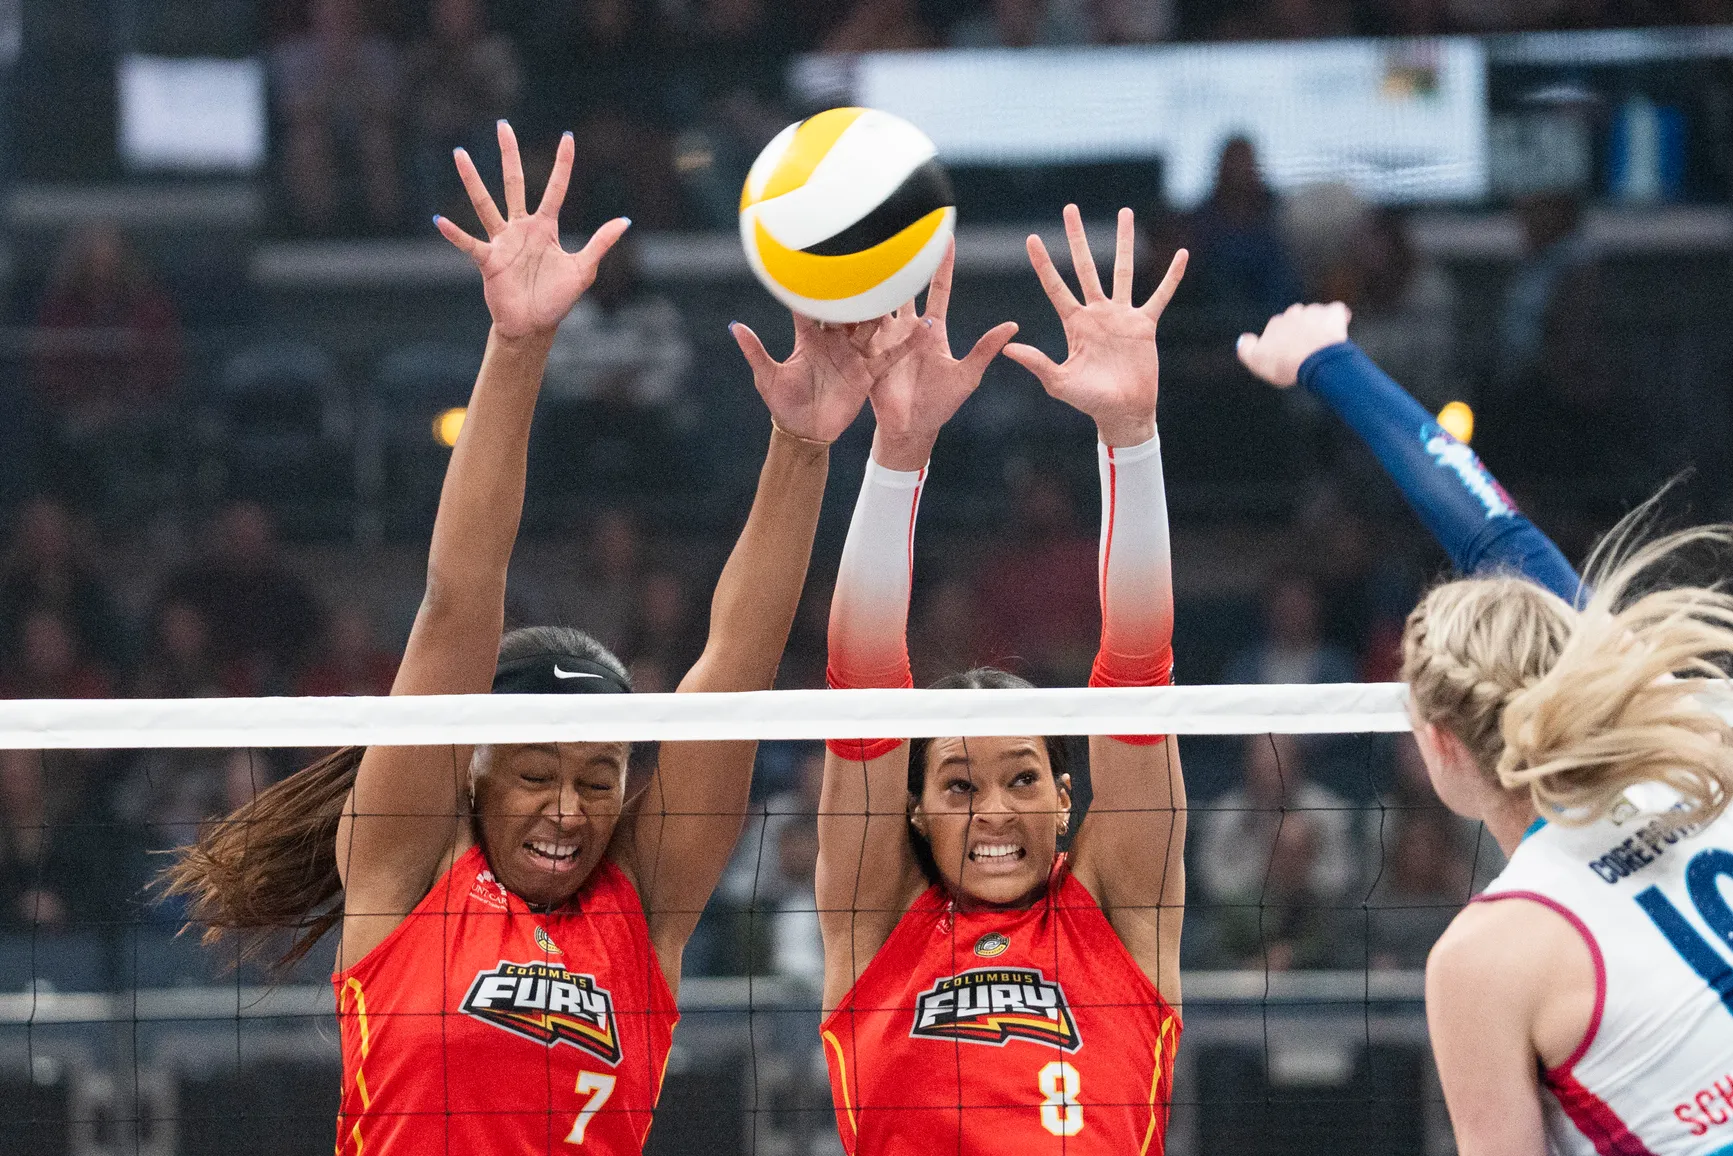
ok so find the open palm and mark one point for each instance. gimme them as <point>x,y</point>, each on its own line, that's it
<point>819,390</point>
<point>530,282</point>
<point>1111,371</point>
<point>926,386</point>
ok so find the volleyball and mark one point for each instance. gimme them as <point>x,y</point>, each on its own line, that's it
<point>846,214</point>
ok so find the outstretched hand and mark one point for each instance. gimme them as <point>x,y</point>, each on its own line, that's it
<point>1111,371</point>
<point>922,390</point>
<point>529,281</point>
<point>1290,337</point>
<point>818,391</point>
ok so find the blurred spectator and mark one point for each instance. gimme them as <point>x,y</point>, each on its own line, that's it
<point>50,662</point>
<point>1507,15</point>
<point>166,795</point>
<point>1553,405</point>
<point>350,659</point>
<point>598,593</point>
<point>111,339</point>
<point>881,26</point>
<point>771,871</point>
<point>1401,17</point>
<point>1424,883</point>
<point>804,659</point>
<point>259,611</point>
<point>1022,24</point>
<point>1365,581</point>
<point>1039,610</point>
<point>1276,855</point>
<point>336,89</point>
<point>623,344</point>
<point>180,662</point>
<point>1292,649</point>
<point>797,947</point>
<point>46,567</point>
<point>1244,272</point>
<point>665,637</point>
<point>726,99</point>
<point>57,841</point>
<point>461,79</point>
<point>624,162</point>
<point>1404,305</point>
<point>1282,19</point>
<point>945,635</point>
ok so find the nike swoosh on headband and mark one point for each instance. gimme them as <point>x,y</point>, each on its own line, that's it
<point>558,673</point>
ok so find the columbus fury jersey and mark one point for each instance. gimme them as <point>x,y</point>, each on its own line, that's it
<point>479,1026</point>
<point>1654,1073</point>
<point>986,1033</point>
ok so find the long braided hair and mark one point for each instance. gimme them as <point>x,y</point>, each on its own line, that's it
<point>1471,646</point>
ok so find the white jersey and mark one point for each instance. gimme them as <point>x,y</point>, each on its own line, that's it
<point>1653,1075</point>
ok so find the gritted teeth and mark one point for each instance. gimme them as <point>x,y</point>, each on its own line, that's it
<point>995,852</point>
<point>547,849</point>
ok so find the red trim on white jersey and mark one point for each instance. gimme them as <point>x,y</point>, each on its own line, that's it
<point>1562,1071</point>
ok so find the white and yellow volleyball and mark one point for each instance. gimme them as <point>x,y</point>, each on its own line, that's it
<point>846,214</point>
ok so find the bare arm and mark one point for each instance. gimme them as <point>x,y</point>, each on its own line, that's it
<point>1130,851</point>
<point>867,874</point>
<point>684,827</point>
<point>1509,987</point>
<point>408,809</point>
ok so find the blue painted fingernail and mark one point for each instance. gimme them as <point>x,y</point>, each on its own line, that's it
<point>628,221</point>
<point>731,326</point>
<point>436,220</point>
<point>501,120</point>
<point>567,134</point>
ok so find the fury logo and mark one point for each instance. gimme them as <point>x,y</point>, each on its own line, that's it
<point>995,1005</point>
<point>548,1004</point>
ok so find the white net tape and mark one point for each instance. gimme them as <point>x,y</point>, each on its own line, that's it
<point>426,720</point>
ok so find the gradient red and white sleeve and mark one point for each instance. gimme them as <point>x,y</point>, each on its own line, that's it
<point>869,613</point>
<point>1136,573</point>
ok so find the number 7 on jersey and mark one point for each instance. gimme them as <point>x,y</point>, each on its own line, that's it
<point>599,1087</point>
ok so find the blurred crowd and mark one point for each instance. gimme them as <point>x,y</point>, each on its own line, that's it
<point>1325,853</point>
<point>1305,853</point>
<point>671,99</point>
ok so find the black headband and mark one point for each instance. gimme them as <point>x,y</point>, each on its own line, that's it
<point>554,673</point>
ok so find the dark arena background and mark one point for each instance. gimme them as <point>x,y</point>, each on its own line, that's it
<point>234,353</point>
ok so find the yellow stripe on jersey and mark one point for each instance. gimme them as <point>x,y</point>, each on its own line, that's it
<point>850,274</point>
<point>1155,1081</point>
<point>842,1080</point>
<point>812,142</point>
<point>353,987</point>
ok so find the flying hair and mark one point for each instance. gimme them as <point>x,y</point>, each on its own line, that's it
<point>269,869</point>
<point>1573,705</point>
<point>1621,705</point>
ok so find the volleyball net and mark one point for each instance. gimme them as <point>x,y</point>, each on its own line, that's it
<point>1320,869</point>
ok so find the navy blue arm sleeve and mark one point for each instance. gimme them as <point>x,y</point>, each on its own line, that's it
<point>1460,502</point>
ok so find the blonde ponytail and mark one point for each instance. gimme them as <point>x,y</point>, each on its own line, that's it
<point>1620,703</point>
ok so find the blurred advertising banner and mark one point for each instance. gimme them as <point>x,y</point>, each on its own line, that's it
<point>1399,120</point>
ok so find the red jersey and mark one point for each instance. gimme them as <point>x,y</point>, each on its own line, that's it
<point>479,1026</point>
<point>989,1032</point>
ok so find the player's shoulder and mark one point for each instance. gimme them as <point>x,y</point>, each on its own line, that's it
<point>1504,944</point>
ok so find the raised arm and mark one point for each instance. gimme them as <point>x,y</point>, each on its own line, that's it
<point>684,827</point>
<point>408,809</point>
<point>1443,480</point>
<point>867,875</point>
<point>1130,850</point>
